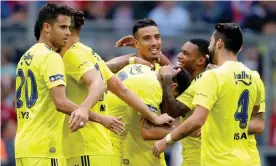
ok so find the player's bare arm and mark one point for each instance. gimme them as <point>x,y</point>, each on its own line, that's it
<point>64,105</point>
<point>120,62</point>
<point>257,124</point>
<point>113,124</point>
<point>190,125</point>
<point>170,105</point>
<point>96,88</point>
<point>117,87</point>
<point>150,131</point>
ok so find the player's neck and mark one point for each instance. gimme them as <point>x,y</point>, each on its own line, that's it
<point>74,38</point>
<point>195,73</point>
<point>225,56</point>
<point>43,39</point>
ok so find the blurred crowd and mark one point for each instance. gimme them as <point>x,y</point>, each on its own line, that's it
<point>171,17</point>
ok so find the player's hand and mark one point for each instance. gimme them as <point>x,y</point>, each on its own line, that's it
<point>126,41</point>
<point>168,71</point>
<point>163,118</point>
<point>141,61</point>
<point>113,124</point>
<point>159,147</point>
<point>78,118</point>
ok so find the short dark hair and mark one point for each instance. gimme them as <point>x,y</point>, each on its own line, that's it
<point>49,13</point>
<point>142,24</point>
<point>183,79</point>
<point>231,35</point>
<point>77,19</point>
<point>202,45</point>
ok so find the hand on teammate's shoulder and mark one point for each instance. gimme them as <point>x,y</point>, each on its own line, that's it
<point>141,61</point>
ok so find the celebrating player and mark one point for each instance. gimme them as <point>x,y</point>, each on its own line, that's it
<point>230,98</point>
<point>148,43</point>
<point>92,144</point>
<point>193,58</point>
<point>147,85</point>
<point>40,92</point>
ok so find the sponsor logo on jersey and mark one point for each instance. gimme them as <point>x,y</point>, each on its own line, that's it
<point>243,77</point>
<point>56,77</point>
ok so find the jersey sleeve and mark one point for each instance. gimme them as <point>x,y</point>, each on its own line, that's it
<point>52,70</point>
<point>206,95</point>
<point>262,96</point>
<point>107,74</point>
<point>187,97</point>
<point>77,63</point>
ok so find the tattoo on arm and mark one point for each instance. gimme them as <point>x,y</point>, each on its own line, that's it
<point>260,116</point>
<point>170,105</point>
<point>169,102</point>
<point>183,135</point>
<point>147,125</point>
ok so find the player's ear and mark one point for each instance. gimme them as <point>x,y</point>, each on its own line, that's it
<point>219,43</point>
<point>174,86</point>
<point>46,27</point>
<point>136,44</point>
<point>201,61</point>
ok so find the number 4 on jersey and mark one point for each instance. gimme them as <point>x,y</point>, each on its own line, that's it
<point>242,116</point>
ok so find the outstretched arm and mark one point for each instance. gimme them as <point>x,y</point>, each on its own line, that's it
<point>190,125</point>
<point>120,62</point>
<point>117,87</point>
<point>150,131</point>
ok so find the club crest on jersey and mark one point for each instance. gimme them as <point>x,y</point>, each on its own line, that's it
<point>56,77</point>
<point>243,77</point>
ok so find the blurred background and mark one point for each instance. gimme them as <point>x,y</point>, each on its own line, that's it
<point>108,21</point>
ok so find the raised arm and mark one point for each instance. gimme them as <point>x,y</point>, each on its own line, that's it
<point>170,105</point>
<point>128,41</point>
<point>120,62</point>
